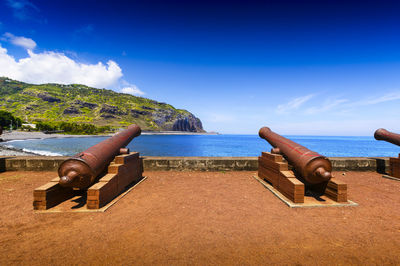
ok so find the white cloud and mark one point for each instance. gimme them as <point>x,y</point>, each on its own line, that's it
<point>384,98</point>
<point>132,89</point>
<point>52,67</point>
<point>350,127</point>
<point>24,42</point>
<point>293,104</point>
<point>339,105</point>
<point>328,105</point>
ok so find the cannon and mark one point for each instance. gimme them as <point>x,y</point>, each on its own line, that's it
<point>313,167</point>
<point>394,163</point>
<point>94,177</point>
<point>81,170</point>
<point>383,134</point>
<point>310,178</point>
<point>1,130</point>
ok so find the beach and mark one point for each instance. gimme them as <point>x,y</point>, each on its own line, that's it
<point>5,150</point>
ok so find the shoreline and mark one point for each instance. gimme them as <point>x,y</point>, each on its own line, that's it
<point>7,137</point>
<point>24,135</point>
<point>178,133</point>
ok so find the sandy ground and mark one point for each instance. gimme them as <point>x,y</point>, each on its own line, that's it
<point>203,218</point>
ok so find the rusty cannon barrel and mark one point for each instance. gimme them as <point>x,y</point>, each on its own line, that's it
<point>313,167</point>
<point>383,134</point>
<point>81,170</point>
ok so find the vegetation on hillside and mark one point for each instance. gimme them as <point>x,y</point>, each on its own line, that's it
<point>7,120</point>
<point>79,108</point>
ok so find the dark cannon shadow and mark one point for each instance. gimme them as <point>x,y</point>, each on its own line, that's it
<point>81,200</point>
<point>380,165</point>
<point>3,164</point>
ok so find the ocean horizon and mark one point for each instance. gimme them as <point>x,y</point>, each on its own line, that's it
<point>221,145</point>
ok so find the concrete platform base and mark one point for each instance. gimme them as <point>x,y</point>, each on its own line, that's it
<point>391,177</point>
<point>309,201</point>
<point>78,202</point>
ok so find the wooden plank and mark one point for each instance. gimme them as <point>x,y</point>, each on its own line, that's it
<point>335,196</point>
<point>337,184</point>
<point>132,173</point>
<point>125,158</point>
<point>92,204</point>
<point>101,193</point>
<point>49,195</point>
<point>52,191</point>
<point>291,188</point>
<point>288,174</point>
<point>113,168</point>
<point>394,160</point>
<point>394,167</point>
<point>278,166</point>
<point>272,157</point>
<point>267,174</point>
<point>123,171</point>
<point>107,177</point>
<point>46,186</point>
<point>336,190</point>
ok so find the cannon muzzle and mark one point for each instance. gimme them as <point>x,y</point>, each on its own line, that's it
<point>82,170</point>
<point>383,134</point>
<point>313,167</point>
<point>1,130</point>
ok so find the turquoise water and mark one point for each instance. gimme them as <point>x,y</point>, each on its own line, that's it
<point>216,145</point>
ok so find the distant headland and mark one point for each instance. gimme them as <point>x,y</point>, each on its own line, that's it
<point>68,107</point>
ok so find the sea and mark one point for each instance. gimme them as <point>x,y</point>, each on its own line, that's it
<point>214,145</point>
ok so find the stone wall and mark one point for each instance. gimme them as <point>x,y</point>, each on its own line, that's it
<point>44,163</point>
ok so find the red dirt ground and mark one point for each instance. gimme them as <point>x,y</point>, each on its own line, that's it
<point>203,218</point>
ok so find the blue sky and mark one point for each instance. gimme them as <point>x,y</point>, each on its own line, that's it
<point>299,67</point>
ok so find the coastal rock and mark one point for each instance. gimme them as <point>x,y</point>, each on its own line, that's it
<point>107,116</point>
<point>29,93</point>
<point>110,109</point>
<point>138,113</point>
<point>48,98</point>
<point>71,110</point>
<point>86,104</point>
<point>162,116</point>
<point>188,123</point>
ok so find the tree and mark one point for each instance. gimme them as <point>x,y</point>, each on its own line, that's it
<point>6,119</point>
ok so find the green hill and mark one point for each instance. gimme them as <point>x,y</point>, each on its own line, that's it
<point>82,104</point>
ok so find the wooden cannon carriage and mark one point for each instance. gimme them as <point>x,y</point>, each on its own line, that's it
<point>98,174</point>
<point>295,171</point>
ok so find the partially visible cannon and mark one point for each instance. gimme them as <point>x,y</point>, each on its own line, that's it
<point>82,170</point>
<point>394,163</point>
<point>383,134</point>
<point>1,130</point>
<point>313,167</point>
